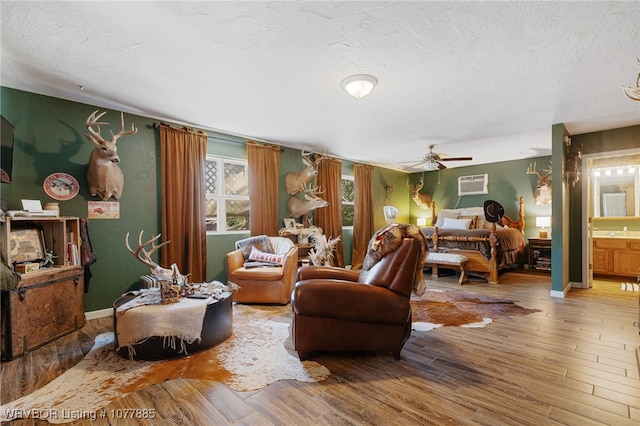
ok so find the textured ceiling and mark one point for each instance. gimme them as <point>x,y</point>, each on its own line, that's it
<point>481,79</point>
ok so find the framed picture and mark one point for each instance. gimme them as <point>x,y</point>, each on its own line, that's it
<point>290,223</point>
<point>26,245</point>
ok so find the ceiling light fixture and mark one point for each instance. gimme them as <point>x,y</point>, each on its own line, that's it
<point>431,166</point>
<point>359,85</point>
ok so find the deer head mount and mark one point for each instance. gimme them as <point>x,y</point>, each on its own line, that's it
<point>422,200</point>
<point>294,181</point>
<point>312,201</point>
<point>104,176</point>
<point>542,193</point>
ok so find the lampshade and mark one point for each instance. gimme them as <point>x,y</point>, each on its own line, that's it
<point>359,85</point>
<point>430,166</point>
<point>543,221</point>
<point>422,221</point>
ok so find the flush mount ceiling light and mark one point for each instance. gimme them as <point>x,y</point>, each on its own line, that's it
<point>359,85</point>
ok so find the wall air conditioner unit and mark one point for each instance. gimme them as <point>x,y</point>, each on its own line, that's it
<point>476,184</point>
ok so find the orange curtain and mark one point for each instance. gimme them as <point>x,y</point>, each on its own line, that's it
<point>329,218</point>
<point>363,213</point>
<point>264,170</point>
<point>183,154</point>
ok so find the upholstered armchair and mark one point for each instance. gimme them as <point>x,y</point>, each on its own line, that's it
<point>264,268</point>
<point>343,310</point>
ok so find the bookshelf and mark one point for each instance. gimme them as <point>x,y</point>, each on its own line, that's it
<point>540,254</point>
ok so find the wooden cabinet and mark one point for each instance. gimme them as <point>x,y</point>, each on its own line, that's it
<point>616,256</point>
<point>48,303</point>
<point>540,254</point>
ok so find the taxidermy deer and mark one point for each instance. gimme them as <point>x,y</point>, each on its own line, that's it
<point>422,200</point>
<point>294,181</point>
<point>298,207</point>
<point>104,176</point>
<point>542,193</point>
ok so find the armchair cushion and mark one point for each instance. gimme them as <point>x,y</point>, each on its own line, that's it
<point>261,256</point>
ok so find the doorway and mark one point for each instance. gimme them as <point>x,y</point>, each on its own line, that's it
<point>610,191</point>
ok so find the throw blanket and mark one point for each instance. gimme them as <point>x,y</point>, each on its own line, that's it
<point>182,321</point>
<point>389,239</point>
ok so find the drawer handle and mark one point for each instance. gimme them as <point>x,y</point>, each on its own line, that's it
<point>22,293</point>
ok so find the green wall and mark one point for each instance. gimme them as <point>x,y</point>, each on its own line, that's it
<point>508,180</point>
<point>49,138</point>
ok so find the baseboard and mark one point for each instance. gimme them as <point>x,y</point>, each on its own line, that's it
<point>99,314</point>
<point>560,294</point>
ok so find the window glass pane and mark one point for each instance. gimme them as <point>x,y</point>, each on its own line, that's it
<point>237,214</point>
<point>211,177</point>
<point>347,214</point>
<point>236,181</point>
<point>348,190</point>
<point>211,207</point>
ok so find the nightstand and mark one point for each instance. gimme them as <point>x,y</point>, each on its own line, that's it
<point>540,254</point>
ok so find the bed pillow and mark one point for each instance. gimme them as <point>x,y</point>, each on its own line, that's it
<point>476,211</point>
<point>449,223</point>
<point>446,213</point>
<point>474,221</point>
<point>260,256</point>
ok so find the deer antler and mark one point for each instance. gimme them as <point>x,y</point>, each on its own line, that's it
<point>146,255</point>
<point>532,170</point>
<point>415,188</point>
<point>311,191</point>
<point>96,137</point>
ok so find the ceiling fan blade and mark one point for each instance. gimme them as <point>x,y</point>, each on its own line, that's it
<point>441,166</point>
<point>457,159</point>
<point>413,165</point>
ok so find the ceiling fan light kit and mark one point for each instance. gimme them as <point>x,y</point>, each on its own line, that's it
<point>359,85</point>
<point>432,161</point>
<point>431,166</point>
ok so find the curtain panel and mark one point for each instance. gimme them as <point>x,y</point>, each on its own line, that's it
<point>363,213</point>
<point>264,174</point>
<point>329,218</point>
<point>183,154</point>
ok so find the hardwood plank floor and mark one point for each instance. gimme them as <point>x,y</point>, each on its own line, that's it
<point>573,363</point>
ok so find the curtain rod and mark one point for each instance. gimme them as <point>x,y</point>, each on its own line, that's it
<point>156,126</point>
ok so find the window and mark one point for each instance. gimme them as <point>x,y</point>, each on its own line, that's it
<point>348,192</point>
<point>227,194</point>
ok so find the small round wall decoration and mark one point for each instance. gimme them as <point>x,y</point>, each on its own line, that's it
<point>61,186</point>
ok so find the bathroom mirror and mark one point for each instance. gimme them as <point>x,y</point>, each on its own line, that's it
<point>615,186</point>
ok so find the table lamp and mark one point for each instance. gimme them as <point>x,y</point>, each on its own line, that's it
<point>543,222</point>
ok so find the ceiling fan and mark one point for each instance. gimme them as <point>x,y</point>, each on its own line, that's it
<point>433,161</point>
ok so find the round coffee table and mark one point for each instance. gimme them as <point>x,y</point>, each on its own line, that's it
<point>216,328</point>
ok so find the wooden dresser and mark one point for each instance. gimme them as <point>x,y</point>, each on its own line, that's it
<point>48,303</point>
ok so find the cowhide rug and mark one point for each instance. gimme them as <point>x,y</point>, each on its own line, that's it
<point>254,356</point>
<point>441,308</point>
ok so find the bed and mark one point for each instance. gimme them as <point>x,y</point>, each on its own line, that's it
<point>490,247</point>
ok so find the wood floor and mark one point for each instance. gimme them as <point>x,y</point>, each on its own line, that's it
<point>573,363</point>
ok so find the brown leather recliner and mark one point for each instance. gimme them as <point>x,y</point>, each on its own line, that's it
<point>342,310</point>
